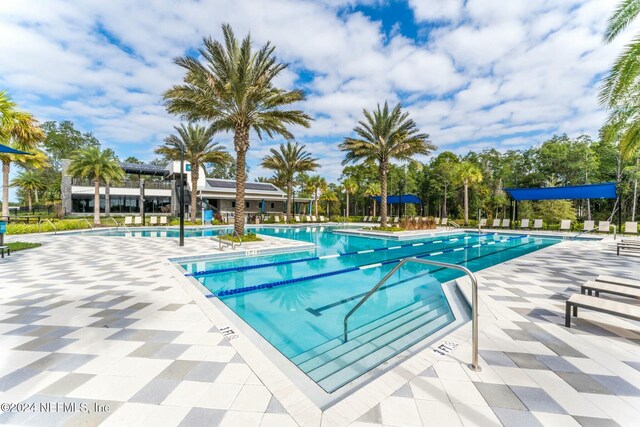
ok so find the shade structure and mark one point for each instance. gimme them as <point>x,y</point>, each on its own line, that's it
<point>606,190</point>
<point>8,150</point>
<point>403,198</point>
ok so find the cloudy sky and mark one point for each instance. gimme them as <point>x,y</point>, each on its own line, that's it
<point>474,74</point>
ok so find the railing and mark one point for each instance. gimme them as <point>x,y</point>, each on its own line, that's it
<point>453,224</point>
<point>231,243</point>
<point>615,231</point>
<point>474,301</point>
<point>55,230</point>
<point>80,182</point>
<point>88,223</point>
<point>116,222</point>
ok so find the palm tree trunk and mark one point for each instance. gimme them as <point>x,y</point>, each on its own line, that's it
<point>635,191</point>
<point>466,202</point>
<point>315,199</point>
<point>36,193</point>
<point>96,203</point>
<point>5,187</point>
<point>346,214</point>
<point>374,207</point>
<point>444,203</point>
<point>29,200</point>
<point>195,172</point>
<point>383,195</point>
<point>289,200</point>
<point>241,143</point>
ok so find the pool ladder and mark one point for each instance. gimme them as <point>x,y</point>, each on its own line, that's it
<point>474,301</point>
<point>231,243</point>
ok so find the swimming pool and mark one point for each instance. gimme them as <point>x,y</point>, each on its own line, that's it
<point>297,301</point>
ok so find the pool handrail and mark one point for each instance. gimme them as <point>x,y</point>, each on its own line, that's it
<point>474,301</point>
<point>55,229</point>
<point>597,228</point>
<point>114,220</point>
<point>229,243</point>
<point>85,220</point>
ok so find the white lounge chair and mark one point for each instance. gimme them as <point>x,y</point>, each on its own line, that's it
<point>365,219</point>
<point>322,218</point>
<point>128,220</point>
<point>620,281</point>
<point>589,226</point>
<point>379,219</point>
<point>628,311</point>
<point>163,220</point>
<point>137,220</point>
<point>537,224</point>
<point>524,223</point>
<point>604,226</point>
<point>297,218</point>
<point>313,218</point>
<point>436,220</point>
<point>609,288</point>
<point>444,221</point>
<point>565,225</point>
<point>483,222</point>
<point>631,227</point>
<point>307,218</point>
<point>506,222</point>
<point>496,223</point>
<point>396,219</point>
<point>153,220</point>
<point>276,218</point>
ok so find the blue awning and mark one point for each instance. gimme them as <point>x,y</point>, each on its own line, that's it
<point>606,190</point>
<point>8,150</point>
<point>404,198</point>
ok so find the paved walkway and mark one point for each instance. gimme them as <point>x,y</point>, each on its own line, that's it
<point>96,322</point>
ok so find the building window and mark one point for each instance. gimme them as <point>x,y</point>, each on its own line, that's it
<point>247,204</point>
<point>273,205</point>
<point>233,204</point>
<point>84,203</point>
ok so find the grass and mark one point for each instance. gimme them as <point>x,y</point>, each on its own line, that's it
<point>385,229</point>
<point>249,237</point>
<point>61,225</point>
<point>20,246</point>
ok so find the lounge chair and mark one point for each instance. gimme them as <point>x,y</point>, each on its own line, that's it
<point>297,218</point>
<point>483,222</point>
<point>365,219</point>
<point>629,246</point>
<point>322,218</point>
<point>565,225</point>
<point>436,220</point>
<point>604,226</point>
<point>3,249</point>
<point>506,222</point>
<point>313,218</point>
<point>608,288</point>
<point>524,223</point>
<point>588,226</point>
<point>620,281</point>
<point>631,227</point>
<point>276,219</point>
<point>128,220</point>
<point>163,220</point>
<point>443,222</point>
<point>153,220</point>
<point>396,219</point>
<point>628,311</point>
<point>496,223</point>
<point>537,224</point>
<point>379,219</point>
<point>307,218</point>
<point>137,220</point>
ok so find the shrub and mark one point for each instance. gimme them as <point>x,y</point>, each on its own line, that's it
<point>248,237</point>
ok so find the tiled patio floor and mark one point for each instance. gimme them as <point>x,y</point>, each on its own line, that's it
<point>88,319</point>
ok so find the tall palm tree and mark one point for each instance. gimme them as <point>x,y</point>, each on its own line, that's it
<point>30,181</point>
<point>469,174</point>
<point>329,196</point>
<point>233,88</point>
<point>199,149</point>
<point>99,166</point>
<point>19,130</point>
<point>350,186</point>
<point>287,161</point>
<point>385,135</point>
<point>317,184</point>
<point>372,190</point>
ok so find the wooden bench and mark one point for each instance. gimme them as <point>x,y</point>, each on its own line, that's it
<point>628,246</point>
<point>5,248</point>
<point>608,288</point>
<point>620,281</point>
<point>628,311</point>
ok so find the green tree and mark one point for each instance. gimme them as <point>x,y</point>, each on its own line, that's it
<point>372,190</point>
<point>99,166</point>
<point>199,148</point>
<point>288,161</point>
<point>444,169</point>
<point>133,160</point>
<point>62,140</point>
<point>19,130</point>
<point>385,135</point>
<point>329,197</point>
<point>317,184</point>
<point>469,174</point>
<point>350,186</point>
<point>30,181</point>
<point>233,87</point>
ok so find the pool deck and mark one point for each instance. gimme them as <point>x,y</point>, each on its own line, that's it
<point>108,320</point>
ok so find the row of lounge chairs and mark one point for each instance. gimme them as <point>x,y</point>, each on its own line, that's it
<point>589,298</point>
<point>630,227</point>
<point>396,220</point>
<point>137,220</point>
<point>297,218</point>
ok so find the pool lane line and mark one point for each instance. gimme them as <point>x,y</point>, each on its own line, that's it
<point>271,285</point>
<point>314,258</point>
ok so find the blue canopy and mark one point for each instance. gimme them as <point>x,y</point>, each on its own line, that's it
<point>404,198</point>
<point>8,150</point>
<point>606,190</point>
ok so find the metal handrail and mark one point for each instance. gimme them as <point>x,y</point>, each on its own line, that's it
<point>85,220</point>
<point>116,222</point>
<point>474,301</point>
<point>236,234</point>
<point>55,229</point>
<point>453,224</point>
<point>615,231</point>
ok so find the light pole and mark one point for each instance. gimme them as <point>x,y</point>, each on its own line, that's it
<point>181,194</point>
<point>143,210</point>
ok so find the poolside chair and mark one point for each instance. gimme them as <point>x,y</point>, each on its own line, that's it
<point>631,227</point>
<point>620,281</point>
<point>444,222</point>
<point>379,219</point>
<point>297,218</point>
<point>628,311</point>
<point>588,226</point>
<point>153,220</point>
<point>565,225</point>
<point>365,219</point>
<point>137,220</point>
<point>396,219</point>
<point>604,226</point>
<point>128,220</point>
<point>483,222</point>
<point>496,223</point>
<point>322,218</point>
<point>276,219</point>
<point>307,218</point>
<point>313,218</point>
<point>524,223</point>
<point>436,220</point>
<point>506,222</point>
<point>163,220</point>
<point>537,224</point>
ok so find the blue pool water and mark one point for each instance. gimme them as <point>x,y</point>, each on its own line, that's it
<point>297,301</point>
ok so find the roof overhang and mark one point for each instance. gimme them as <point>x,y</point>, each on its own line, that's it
<point>606,190</point>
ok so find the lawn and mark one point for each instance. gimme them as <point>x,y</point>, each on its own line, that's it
<point>20,246</point>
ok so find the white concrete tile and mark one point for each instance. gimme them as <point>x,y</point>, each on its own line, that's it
<point>187,393</point>
<point>399,411</point>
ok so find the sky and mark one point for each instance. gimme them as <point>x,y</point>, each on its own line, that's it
<point>473,74</point>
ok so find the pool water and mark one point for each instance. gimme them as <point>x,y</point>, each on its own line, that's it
<point>297,301</point>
